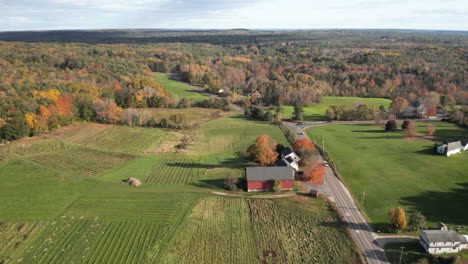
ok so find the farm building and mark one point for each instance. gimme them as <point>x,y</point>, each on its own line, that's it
<point>261,178</point>
<point>442,241</point>
<point>255,94</point>
<point>288,158</point>
<point>451,148</point>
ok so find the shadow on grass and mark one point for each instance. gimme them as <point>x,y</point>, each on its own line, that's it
<point>412,252</point>
<point>448,207</point>
<point>370,131</point>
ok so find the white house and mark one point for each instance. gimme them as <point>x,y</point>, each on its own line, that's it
<point>442,241</point>
<point>452,148</point>
<point>289,158</point>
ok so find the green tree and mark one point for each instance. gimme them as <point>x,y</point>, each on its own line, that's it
<point>417,221</point>
<point>276,185</point>
<point>298,113</point>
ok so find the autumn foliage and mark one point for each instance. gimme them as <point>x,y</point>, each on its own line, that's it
<point>398,218</point>
<point>264,150</point>
<point>411,129</point>
<point>303,145</point>
<point>430,129</point>
<point>314,173</point>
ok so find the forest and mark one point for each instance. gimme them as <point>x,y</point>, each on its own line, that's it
<point>65,76</point>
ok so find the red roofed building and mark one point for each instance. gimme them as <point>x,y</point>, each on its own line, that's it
<point>261,178</point>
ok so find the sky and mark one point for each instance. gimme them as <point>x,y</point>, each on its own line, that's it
<point>19,15</point>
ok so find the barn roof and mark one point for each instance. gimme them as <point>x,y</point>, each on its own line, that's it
<point>269,173</point>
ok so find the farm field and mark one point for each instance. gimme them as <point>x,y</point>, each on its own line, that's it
<point>395,171</point>
<point>62,198</point>
<point>317,112</point>
<point>260,230</point>
<point>110,137</point>
<point>179,89</point>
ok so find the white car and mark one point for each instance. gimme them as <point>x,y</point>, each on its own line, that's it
<point>325,163</point>
<point>300,133</point>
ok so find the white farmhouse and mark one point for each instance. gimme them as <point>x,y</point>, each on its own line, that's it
<point>442,241</point>
<point>452,148</point>
<point>289,158</point>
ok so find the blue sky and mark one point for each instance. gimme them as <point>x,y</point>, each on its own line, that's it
<point>253,14</point>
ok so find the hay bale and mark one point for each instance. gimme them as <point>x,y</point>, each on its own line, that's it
<point>132,182</point>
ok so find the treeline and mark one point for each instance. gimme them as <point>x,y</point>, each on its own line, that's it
<point>47,85</point>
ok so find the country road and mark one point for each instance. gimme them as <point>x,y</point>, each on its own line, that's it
<point>338,193</point>
<point>370,244</point>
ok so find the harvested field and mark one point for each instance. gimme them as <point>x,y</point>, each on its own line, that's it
<point>13,236</point>
<point>261,230</point>
<point>113,138</point>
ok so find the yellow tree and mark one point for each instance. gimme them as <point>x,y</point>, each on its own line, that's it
<point>398,217</point>
<point>265,150</point>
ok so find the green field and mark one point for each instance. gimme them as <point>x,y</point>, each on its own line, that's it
<point>179,89</point>
<point>62,200</point>
<point>394,171</point>
<point>317,112</point>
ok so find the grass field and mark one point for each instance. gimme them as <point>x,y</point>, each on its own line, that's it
<point>317,112</point>
<point>178,88</point>
<point>62,200</point>
<point>394,171</point>
<point>112,138</point>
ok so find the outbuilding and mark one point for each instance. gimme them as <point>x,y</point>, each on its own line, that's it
<point>261,178</point>
<point>442,241</point>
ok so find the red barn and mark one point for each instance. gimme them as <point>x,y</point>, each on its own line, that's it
<point>261,178</point>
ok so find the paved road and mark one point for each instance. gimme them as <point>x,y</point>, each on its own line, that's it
<point>369,242</point>
<point>337,192</point>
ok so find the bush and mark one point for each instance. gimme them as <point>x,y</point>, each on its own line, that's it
<point>391,126</point>
<point>230,182</point>
<point>276,185</point>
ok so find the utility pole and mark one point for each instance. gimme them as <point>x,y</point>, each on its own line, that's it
<point>401,254</point>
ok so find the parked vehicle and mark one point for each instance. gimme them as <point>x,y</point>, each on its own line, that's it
<point>325,163</point>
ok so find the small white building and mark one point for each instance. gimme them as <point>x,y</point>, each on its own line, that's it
<point>442,241</point>
<point>452,148</point>
<point>289,158</point>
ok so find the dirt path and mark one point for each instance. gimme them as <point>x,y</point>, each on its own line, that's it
<point>266,196</point>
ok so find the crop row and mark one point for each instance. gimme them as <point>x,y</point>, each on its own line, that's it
<point>84,162</point>
<point>116,138</point>
<point>218,230</point>
<point>285,234</point>
<point>173,171</point>
<point>90,241</point>
<point>150,209</point>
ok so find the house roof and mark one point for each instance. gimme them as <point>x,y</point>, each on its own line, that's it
<point>443,236</point>
<point>286,151</point>
<point>269,173</point>
<point>454,145</point>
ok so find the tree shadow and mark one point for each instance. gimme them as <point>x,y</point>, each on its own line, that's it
<point>370,131</point>
<point>448,207</point>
